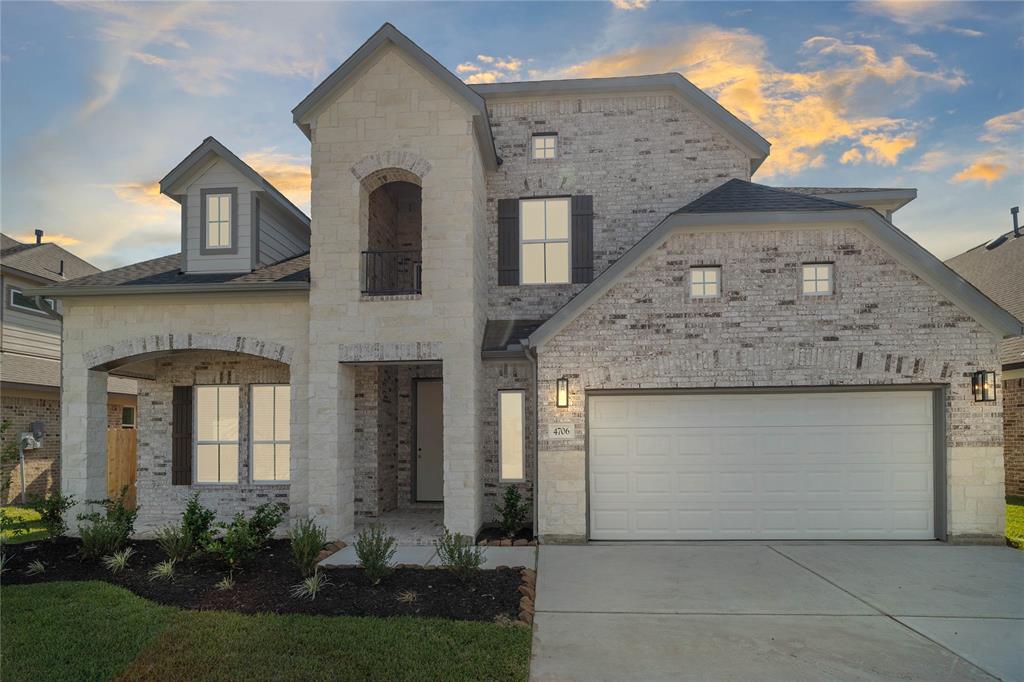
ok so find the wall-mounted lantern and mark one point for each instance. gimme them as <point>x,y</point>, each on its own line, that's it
<point>562,393</point>
<point>983,385</point>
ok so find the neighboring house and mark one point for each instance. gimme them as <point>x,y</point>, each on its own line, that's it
<point>997,269</point>
<point>568,286</point>
<point>30,348</point>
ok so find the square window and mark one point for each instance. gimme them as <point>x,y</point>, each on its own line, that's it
<point>544,241</point>
<point>545,146</point>
<point>817,279</point>
<point>705,282</point>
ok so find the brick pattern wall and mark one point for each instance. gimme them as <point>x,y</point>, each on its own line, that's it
<point>640,156</point>
<point>882,326</point>
<point>42,466</point>
<point>160,502</point>
<point>1013,434</point>
<point>504,375</point>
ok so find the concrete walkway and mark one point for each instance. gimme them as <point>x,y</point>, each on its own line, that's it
<point>783,611</point>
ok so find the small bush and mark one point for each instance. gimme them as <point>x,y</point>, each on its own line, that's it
<point>118,561</point>
<point>162,571</point>
<point>307,540</point>
<point>407,597</point>
<point>309,587</point>
<point>458,554</point>
<point>235,545</point>
<point>513,511</point>
<point>197,523</point>
<point>108,532</point>
<point>375,549</point>
<point>225,583</point>
<point>51,509</point>
<point>36,567</point>
<point>175,541</point>
<point>265,519</point>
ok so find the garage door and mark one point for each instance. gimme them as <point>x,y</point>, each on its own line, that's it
<point>855,465</point>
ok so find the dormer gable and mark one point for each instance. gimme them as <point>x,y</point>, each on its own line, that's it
<point>232,219</point>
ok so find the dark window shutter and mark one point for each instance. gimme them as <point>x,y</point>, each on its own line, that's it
<point>582,239</point>
<point>508,242</point>
<point>181,436</point>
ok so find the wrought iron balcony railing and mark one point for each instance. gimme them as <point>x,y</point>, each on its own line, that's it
<point>392,272</point>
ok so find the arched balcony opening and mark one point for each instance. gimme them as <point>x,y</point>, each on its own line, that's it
<point>392,262</point>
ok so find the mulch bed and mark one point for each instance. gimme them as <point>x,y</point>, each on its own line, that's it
<point>493,535</point>
<point>264,585</point>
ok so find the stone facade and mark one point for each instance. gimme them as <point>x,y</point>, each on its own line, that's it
<point>882,326</point>
<point>1013,430</point>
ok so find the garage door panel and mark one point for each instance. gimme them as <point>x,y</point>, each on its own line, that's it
<point>762,466</point>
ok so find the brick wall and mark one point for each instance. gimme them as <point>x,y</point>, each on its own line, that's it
<point>1013,434</point>
<point>500,375</point>
<point>42,466</point>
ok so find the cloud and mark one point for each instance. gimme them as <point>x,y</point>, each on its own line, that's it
<point>841,92</point>
<point>58,239</point>
<point>917,17</point>
<point>984,171</point>
<point>143,193</point>
<point>288,173</point>
<point>490,69</point>
<point>998,128</point>
<point>630,5</point>
<point>933,160</point>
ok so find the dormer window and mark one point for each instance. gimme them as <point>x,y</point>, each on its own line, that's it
<point>545,145</point>
<point>219,220</point>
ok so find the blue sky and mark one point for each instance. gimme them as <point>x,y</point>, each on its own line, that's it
<point>100,100</point>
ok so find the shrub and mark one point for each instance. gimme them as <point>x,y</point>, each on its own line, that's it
<point>309,587</point>
<point>118,561</point>
<point>197,523</point>
<point>375,548</point>
<point>51,510</point>
<point>106,533</point>
<point>162,571</point>
<point>407,597</point>
<point>307,540</point>
<point>225,583</point>
<point>175,541</point>
<point>458,554</point>
<point>513,511</point>
<point>235,545</point>
<point>36,567</point>
<point>265,519</point>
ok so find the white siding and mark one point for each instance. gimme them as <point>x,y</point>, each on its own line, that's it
<point>27,333</point>
<point>281,236</point>
<point>219,174</point>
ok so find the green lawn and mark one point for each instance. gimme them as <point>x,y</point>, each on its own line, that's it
<point>1015,521</point>
<point>26,520</point>
<point>95,631</point>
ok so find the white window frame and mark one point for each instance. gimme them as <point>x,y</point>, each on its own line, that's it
<point>501,448</point>
<point>33,310</point>
<point>829,279</point>
<point>253,442</point>
<point>567,240</point>
<point>196,442</point>
<point>220,221</point>
<point>134,413</point>
<point>703,283</point>
<point>547,152</point>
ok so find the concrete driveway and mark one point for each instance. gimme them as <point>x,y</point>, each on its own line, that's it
<point>779,612</point>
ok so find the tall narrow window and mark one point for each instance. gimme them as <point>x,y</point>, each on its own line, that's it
<point>544,230</point>
<point>545,146</point>
<point>271,449</point>
<point>218,221</point>
<point>216,434</point>
<point>817,279</point>
<point>705,282</point>
<point>511,435</point>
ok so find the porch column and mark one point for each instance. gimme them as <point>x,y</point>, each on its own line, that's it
<point>83,438</point>
<point>463,490</point>
<point>331,468</point>
<point>298,490</point>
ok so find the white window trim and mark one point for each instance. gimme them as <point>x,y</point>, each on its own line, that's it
<point>704,268</point>
<point>134,417</point>
<point>253,442</point>
<point>34,311</point>
<point>831,279</point>
<point>220,221</point>
<point>500,449</point>
<point>196,442</point>
<point>524,242</point>
<point>554,148</point>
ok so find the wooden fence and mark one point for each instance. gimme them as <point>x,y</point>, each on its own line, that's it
<point>121,463</point>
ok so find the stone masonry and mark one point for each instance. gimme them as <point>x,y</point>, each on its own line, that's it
<point>882,326</point>
<point>1013,432</point>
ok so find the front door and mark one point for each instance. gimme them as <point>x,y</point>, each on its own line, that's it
<point>429,441</point>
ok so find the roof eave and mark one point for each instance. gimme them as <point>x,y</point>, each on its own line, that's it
<point>59,291</point>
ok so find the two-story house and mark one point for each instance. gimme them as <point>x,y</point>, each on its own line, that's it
<point>30,353</point>
<point>568,286</point>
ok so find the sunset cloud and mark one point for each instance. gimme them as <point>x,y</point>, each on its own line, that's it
<point>289,174</point>
<point>629,5</point>
<point>58,239</point>
<point>491,69</point>
<point>933,160</point>
<point>917,17</point>
<point>1000,127</point>
<point>983,171</point>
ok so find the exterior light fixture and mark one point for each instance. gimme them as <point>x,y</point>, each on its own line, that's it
<point>562,395</point>
<point>983,385</point>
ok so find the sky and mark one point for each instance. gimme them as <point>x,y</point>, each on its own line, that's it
<point>100,100</point>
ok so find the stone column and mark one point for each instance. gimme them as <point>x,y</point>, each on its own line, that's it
<point>331,465</point>
<point>463,486</point>
<point>83,446</point>
<point>298,490</point>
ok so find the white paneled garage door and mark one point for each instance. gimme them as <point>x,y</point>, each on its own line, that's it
<point>784,465</point>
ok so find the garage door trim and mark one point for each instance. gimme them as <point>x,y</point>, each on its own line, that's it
<point>938,391</point>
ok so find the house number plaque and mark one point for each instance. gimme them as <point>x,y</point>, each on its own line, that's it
<point>561,431</point>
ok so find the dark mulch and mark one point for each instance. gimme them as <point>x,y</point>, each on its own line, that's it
<point>265,584</point>
<point>492,533</point>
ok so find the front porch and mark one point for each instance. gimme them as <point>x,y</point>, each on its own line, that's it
<point>417,525</point>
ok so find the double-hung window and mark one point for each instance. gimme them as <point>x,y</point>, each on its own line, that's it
<point>817,279</point>
<point>705,282</point>
<point>216,422</point>
<point>218,221</point>
<point>511,435</point>
<point>544,240</point>
<point>270,409</point>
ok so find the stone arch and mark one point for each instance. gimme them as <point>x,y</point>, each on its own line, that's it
<point>382,167</point>
<point>106,357</point>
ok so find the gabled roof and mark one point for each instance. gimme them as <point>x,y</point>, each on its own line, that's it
<point>210,146</point>
<point>389,35</point>
<point>997,269</point>
<point>757,147</point>
<point>898,196</point>
<point>43,261</point>
<point>756,206</point>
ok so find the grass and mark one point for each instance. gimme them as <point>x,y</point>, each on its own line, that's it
<point>95,631</point>
<point>1015,521</point>
<point>27,520</point>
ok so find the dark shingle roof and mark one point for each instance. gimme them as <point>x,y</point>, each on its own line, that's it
<point>739,196</point>
<point>165,270</point>
<point>500,334</point>
<point>815,191</point>
<point>997,270</point>
<point>7,243</point>
<point>44,260</point>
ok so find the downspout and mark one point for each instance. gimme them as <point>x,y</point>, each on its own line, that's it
<point>531,355</point>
